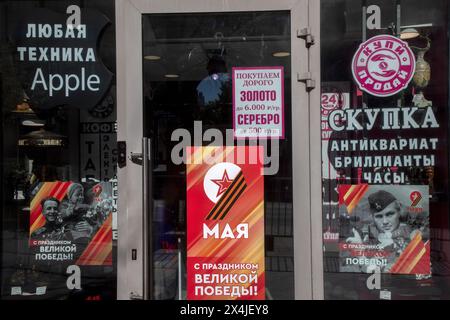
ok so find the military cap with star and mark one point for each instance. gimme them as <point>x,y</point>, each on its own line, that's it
<point>379,200</point>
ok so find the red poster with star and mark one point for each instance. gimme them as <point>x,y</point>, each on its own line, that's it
<point>225,223</point>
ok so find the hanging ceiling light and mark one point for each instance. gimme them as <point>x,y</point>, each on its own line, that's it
<point>409,33</point>
<point>151,57</point>
<point>281,54</point>
<point>171,75</point>
<point>33,123</point>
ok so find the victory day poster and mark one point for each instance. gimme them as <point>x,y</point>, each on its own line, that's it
<point>225,221</point>
<point>384,228</point>
<point>72,222</point>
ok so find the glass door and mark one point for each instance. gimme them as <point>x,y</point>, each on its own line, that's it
<point>195,67</point>
<point>190,87</point>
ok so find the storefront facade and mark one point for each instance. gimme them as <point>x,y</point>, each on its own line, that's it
<point>224,150</point>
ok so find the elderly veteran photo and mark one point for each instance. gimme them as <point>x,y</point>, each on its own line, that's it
<point>385,227</point>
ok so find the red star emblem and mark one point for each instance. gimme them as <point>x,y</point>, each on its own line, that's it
<point>97,190</point>
<point>223,183</point>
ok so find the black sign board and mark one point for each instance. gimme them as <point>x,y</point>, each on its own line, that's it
<point>58,62</point>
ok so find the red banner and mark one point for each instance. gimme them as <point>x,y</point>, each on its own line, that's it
<point>225,223</point>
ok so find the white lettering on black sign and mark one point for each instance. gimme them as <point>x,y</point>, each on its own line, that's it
<point>58,59</point>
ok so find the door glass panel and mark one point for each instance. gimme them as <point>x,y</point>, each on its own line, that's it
<point>188,60</point>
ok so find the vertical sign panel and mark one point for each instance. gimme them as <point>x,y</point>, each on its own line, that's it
<point>225,221</point>
<point>258,102</point>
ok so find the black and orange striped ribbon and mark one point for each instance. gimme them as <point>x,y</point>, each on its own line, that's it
<point>230,197</point>
<point>416,201</point>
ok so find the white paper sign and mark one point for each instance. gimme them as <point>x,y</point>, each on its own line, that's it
<point>258,102</point>
<point>16,291</point>
<point>41,290</point>
<point>385,295</point>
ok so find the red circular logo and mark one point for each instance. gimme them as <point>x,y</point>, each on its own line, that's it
<point>415,198</point>
<point>383,66</point>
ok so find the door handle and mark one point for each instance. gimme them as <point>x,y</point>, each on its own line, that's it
<point>144,159</point>
<point>137,158</point>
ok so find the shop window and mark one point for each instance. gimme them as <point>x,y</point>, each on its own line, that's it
<point>385,149</point>
<point>58,150</point>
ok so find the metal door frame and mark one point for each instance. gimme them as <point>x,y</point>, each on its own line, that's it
<point>306,146</point>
